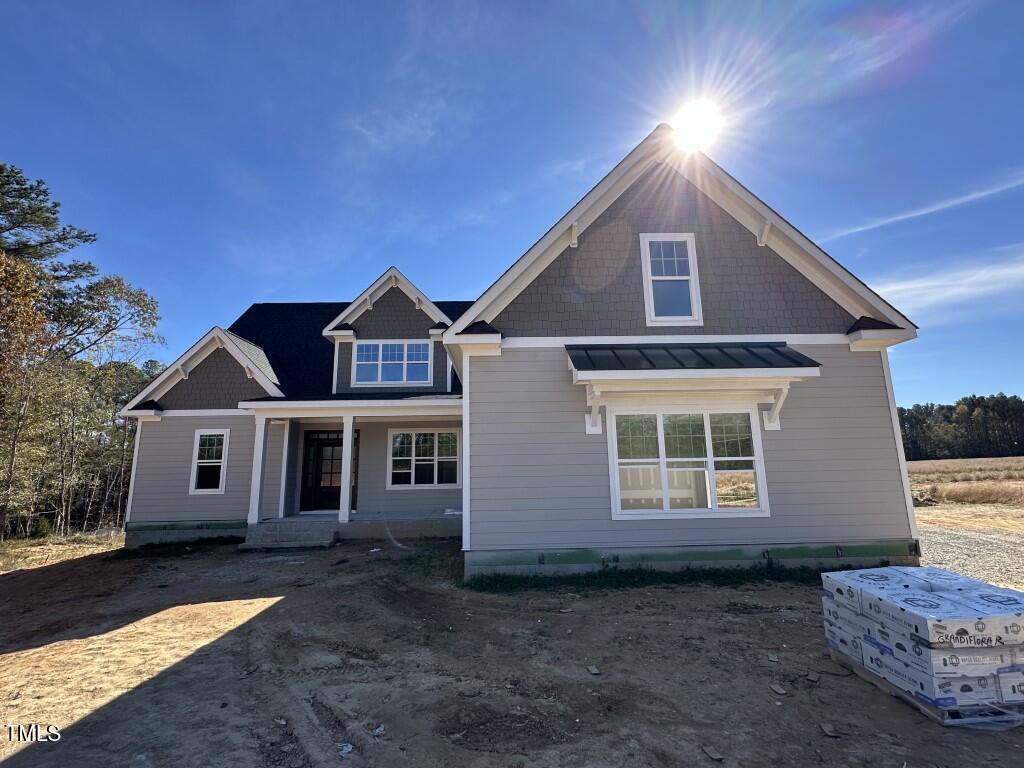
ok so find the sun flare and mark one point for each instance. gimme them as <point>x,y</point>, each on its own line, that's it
<point>697,125</point>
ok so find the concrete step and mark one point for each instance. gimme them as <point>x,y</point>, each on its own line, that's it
<point>272,545</point>
<point>290,533</point>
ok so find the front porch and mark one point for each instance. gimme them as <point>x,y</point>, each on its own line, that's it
<point>335,471</point>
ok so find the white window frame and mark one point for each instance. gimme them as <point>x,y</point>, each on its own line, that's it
<point>405,363</point>
<point>413,485</point>
<point>687,514</point>
<point>697,318</point>
<point>193,491</point>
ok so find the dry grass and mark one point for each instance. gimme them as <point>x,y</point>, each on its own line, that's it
<point>968,481</point>
<point>985,518</point>
<point>966,470</point>
<point>35,553</point>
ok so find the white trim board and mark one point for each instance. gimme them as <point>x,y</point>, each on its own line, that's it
<point>392,278</point>
<point>215,338</point>
<point>412,486</point>
<point>226,434</point>
<point>692,280</point>
<point>135,467</point>
<point>770,228</point>
<point>763,510</point>
<point>549,342</point>
<point>380,363</point>
<point>898,436</point>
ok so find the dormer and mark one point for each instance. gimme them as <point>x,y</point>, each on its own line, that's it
<point>388,339</point>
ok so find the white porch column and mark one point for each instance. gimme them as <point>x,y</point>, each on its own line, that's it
<point>258,450</point>
<point>346,468</point>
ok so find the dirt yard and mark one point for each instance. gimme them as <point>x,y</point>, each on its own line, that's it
<point>215,658</point>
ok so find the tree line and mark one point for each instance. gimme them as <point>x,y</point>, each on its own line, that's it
<point>70,339</point>
<point>976,426</point>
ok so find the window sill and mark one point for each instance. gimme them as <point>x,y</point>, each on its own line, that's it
<point>681,322</point>
<point>691,514</point>
<point>409,384</point>
<point>433,487</point>
<point>211,492</point>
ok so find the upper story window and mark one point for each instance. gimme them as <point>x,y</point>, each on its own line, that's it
<point>391,363</point>
<point>671,290</point>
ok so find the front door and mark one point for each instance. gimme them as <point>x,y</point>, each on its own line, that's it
<point>321,476</point>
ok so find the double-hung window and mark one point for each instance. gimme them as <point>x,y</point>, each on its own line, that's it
<point>671,289</point>
<point>674,462</point>
<point>423,457</point>
<point>209,461</point>
<point>391,363</point>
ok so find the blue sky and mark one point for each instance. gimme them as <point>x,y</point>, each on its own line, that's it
<point>228,153</point>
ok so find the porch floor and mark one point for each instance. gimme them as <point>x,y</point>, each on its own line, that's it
<point>322,529</point>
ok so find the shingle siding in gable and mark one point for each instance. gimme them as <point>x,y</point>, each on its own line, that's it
<point>597,288</point>
<point>394,316</point>
<point>217,382</point>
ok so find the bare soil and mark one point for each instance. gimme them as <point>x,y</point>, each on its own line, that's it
<point>209,657</point>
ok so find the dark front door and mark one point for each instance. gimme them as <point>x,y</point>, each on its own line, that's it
<point>321,476</point>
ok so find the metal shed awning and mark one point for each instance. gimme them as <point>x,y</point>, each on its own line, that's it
<point>755,370</point>
<point>749,356</point>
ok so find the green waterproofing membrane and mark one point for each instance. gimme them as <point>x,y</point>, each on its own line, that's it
<point>215,525</point>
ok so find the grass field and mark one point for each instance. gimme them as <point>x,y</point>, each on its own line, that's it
<point>968,481</point>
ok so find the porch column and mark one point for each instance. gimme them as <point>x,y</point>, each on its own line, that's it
<point>258,449</point>
<point>346,468</point>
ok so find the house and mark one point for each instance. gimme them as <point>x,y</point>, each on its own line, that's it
<point>672,375</point>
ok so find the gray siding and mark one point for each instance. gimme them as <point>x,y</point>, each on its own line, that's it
<point>538,481</point>
<point>217,382</point>
<point>270,494</point>
<point>440,370</point>
<point>373,495</point>
<point>165,463</point>
<point>394,316</point>
<point>597,288</point>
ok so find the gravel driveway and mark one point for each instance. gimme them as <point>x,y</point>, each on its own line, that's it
<point>988,555</point>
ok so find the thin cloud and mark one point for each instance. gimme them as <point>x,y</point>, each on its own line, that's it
<point>1013,182</point>
<point>956,288</point>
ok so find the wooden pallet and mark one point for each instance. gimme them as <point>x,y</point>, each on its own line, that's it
<point>1004,715</point>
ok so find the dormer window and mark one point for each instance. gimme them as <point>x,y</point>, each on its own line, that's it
<point>671,290</point>
<point>391,363</point>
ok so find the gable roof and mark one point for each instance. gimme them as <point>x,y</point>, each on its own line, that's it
<point>250,356</point>
<point>392,278</point>
<point>291,335</point>
<point>769,227</point>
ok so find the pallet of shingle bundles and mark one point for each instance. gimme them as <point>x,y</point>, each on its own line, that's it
<point>952,645</point>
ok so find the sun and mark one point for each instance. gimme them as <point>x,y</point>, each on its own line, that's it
<point>697,125</point>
